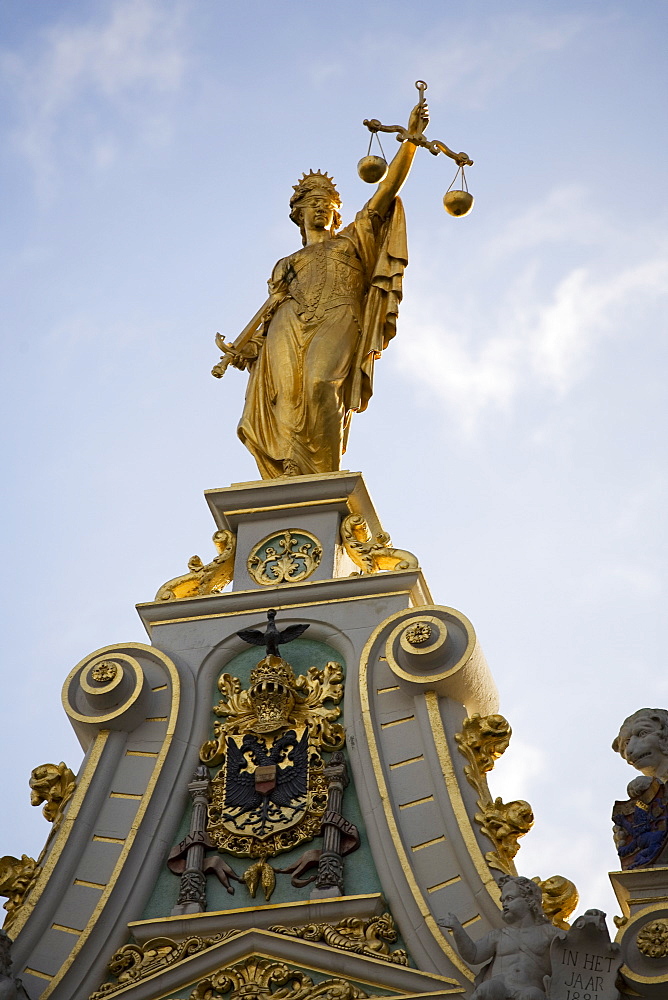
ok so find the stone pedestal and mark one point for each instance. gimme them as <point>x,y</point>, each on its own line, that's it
<point>643,934</point>
<point>313,549</point>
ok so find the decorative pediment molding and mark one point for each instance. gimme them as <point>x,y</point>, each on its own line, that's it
<point>369,975</point>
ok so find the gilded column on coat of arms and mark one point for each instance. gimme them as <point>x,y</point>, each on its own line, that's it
<point>270,792</point>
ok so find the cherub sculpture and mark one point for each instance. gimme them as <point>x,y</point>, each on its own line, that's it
<point>518,955</point>
<point>10,988</point>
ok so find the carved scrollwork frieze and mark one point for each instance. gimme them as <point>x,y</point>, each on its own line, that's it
<point>260,977</point>
<point>372,936</point>
<point>134,962</point>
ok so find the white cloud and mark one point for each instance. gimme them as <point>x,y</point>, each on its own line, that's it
<point>582,310</point>
<point>474,63</point>
<point>81,75</point>
<point>534,314</point>
<point>516,772</point>
<point>565,215</point>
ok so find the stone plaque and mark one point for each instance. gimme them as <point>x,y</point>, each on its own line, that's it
<point>584,961</point>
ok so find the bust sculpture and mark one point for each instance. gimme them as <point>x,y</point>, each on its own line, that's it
<point>518,955</point>
<point>332,309</point>
<point>641,821</point>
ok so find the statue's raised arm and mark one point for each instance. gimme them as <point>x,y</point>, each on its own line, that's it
<point>400,166</point>
<point>331,311</point>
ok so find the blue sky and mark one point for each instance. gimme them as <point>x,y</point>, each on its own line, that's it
<point>517,438</point>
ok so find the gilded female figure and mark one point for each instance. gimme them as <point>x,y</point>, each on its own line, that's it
<point>332,309</point>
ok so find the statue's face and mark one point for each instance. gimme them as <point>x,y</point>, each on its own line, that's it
<point>515,905</point>
<point>646,747</point>
<point>318,211</point>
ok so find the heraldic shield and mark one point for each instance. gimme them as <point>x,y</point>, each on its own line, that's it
<point>265,783</point>
<point>270,792</point>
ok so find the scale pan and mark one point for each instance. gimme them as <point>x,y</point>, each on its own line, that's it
<point>372,169</point>
<point>458,203</point>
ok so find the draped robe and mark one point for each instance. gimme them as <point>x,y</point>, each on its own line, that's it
<point>334,311</point>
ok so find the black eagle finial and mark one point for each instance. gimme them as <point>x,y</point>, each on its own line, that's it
<point>273,637</point>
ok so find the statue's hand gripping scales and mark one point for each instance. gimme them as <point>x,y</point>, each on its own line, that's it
<point>331,311</point>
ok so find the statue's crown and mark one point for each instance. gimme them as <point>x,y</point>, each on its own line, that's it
<point>312,181</point>
<point>273,668</point>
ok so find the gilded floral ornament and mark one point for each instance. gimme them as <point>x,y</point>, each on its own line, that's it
<point>560,897</point>
<point>372,554</point>
<point>652,939</point>
<point>260,977</point>
<point>204,578</point>
<point>134,962</point>
<point>270,792</point>
<point>372,936</point>
<point>504,823</point>
<point>17,878</point>
<point>482,741</point>
<point>52,784</point>
<point>104,672</point>
<point>284,557</point>
<point>418,633</point>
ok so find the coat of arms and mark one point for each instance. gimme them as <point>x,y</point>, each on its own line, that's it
<point>270,793</point>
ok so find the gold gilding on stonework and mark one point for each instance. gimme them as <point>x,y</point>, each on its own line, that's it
<point>204,578</point>
<point>54,785</point>
<point>134,962</point>
<point>482,741</point>
<point>17,877</point>
<point>260,874</point>
<point>418,633</point>
<point>372,936</point>
<point>270,793</point>
<point>284,557</point>
<point>652,939</point>
<point>260,977</point>
<point>560,897</point>
<point>372,554</point>
<point>104,672</point>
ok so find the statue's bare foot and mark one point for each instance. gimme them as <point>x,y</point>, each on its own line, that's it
<point>291,468</point>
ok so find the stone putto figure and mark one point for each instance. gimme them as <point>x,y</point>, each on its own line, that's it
<point>641,821</point>
<point>10,988</point>
<point>518,955</point>
<point>332,309</point>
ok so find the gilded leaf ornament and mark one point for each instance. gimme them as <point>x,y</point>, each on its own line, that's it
<point>482,741</point>
<point>560,897</point>
<point>372,936</point>
<point>270,792</point>
<point>372,554</point>
<point>17,878</point>
<point>204,578</point>
<point>52,784</point>
<point>260,977</point>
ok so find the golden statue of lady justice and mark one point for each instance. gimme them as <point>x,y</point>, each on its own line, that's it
<point>332,309</point>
